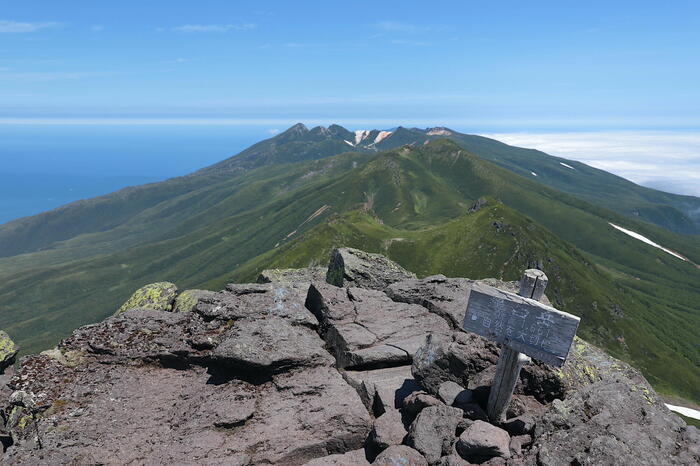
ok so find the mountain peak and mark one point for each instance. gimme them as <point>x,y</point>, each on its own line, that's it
<point>299,128</point>
<point>439,131</point>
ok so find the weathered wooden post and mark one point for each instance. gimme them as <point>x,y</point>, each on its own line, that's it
<point>522,325</point>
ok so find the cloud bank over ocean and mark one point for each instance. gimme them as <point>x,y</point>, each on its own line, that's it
<point>665,160</point>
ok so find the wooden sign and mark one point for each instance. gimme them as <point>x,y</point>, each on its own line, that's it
<point>522,324</point>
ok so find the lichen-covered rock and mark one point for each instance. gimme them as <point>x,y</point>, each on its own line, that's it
<point>482,441</point>
<point>400,455</point>
<point>187,300</point>
<point>308,275</point>
<point>434,430</point>
<point>8,351</point>
<point>154,297</point>
<point>352,267</point>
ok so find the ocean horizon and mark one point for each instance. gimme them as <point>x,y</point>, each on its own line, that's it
<point>45,166</point>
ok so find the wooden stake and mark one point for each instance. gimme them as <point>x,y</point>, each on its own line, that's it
<point>532,285</point>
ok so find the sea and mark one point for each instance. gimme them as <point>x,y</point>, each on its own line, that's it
<point>45,166</point>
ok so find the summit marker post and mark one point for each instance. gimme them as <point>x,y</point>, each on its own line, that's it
<point>524,326</point>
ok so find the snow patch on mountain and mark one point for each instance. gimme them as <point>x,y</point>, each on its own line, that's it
<point>349,143</point>
<point>534,174</point>
<point>360,135</point>
<point>688,412</point>
<point>567,166</point>
<point>381,136</point>
<point>646,240</point>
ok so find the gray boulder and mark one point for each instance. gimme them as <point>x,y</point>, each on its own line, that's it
<point>417,402</point>
<point>521,425</point>
<point>352,267</point>
<point>518,442</point>
<point>400,455</point>
<point>482,441</point>
<point>387,430</point>
<point>454,394</point>
<point>434,430</point>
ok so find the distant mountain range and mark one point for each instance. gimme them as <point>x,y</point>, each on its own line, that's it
<point>434,200</point>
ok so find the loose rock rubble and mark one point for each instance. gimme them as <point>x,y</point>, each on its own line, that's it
<point>298,371</point>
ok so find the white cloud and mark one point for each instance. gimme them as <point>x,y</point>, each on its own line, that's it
<point>417,43</point>
<point>398,26</point>
<point>273,131</point>
<point>23,27</point>
<point>668,160</point>
<point>213,27</point>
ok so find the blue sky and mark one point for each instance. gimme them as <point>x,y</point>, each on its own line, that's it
<point>510,64</point>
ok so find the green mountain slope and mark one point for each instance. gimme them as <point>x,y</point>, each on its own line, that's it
<point>51,230</point>
<point>637,301</point>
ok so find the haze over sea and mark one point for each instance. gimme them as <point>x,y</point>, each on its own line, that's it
<point>45,166</point>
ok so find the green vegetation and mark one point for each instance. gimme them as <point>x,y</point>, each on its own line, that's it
<point>690,421</point>
<point>75,266</point>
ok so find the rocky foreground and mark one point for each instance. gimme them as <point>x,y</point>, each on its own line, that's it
<point>359,364</point>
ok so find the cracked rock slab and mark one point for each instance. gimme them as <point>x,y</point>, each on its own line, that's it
<point>366,329</point>
<point>116,414</point>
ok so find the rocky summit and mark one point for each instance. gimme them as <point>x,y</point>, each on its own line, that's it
<point>298,370</point>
